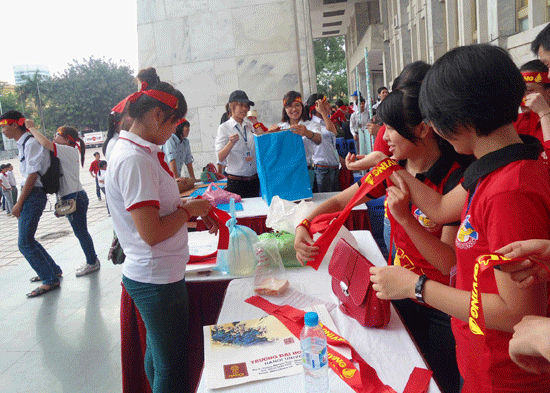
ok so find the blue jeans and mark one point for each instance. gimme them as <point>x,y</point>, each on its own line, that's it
<point>36,255</point>
<point>165,312</point>
<point>327,179</point>
<point>79,222</point>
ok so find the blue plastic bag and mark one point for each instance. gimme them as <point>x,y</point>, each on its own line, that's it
<point>282,166</point>
<point>239,258</point>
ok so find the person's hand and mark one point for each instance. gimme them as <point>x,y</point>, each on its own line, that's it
<point>211,224</point>
<point>398,199</point>
<point>198,207</point>
<point>537,103</point>
<point>29,123</point>
<point>352,162</point>
<point>274,128</point>
<point>530,345</point>
<point>185,184</point>
<point>373,128</point>
<point>527,272</point>
<point>321,108</point>
<point>16,209</point>
<point>393,282</point>
<point>300,129</point>
<point>356,137</point>
<point>233,139</point>
<point>303,244</point>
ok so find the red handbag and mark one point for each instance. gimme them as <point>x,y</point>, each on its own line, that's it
<point>351,284</point>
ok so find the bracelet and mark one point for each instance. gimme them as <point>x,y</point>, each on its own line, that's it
<point>185,210</point>
<point>305,223</point>
<point>419,287</point>
<point>546,114</point>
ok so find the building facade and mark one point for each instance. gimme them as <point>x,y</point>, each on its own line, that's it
<point>20,72</point>
<point>208,48</point>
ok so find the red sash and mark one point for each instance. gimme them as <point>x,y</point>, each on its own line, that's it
<point>476,320</point>
<point>364,380</point>
<point>323,223</point>
<point>221,218</point>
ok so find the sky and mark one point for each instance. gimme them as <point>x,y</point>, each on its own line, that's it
<point>55,32</point>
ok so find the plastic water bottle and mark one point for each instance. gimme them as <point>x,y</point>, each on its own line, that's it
<point>314,354</point>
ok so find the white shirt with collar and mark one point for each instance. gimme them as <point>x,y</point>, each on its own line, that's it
<point>137,176</point>
<point>241,160</point>
<point>11,178</point>
<point>69,157</point>
<point>325,153</point>
<point>32,158</point>
<point>309,145</point>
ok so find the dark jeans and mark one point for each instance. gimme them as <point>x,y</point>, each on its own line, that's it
<point>36,255</point>
<point>431,330</point>
<point>165,312</point>
<point>244,188</point>
<point>79,222</point>
<point>97,190</point>
<point>327,179</point>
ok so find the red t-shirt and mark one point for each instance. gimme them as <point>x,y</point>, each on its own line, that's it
<point>340,115</point>
<point>380,144</point>
<point>442,177</point>
<point>510,202</point>
<point>529,124</point>
<point>94,167</point>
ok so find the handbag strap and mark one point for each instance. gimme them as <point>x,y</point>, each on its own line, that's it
<point>476,319</point>
<point>329,226</point>
<point>364,380</point>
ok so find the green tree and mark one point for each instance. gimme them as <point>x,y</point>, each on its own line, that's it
<point>9,100</point>
<point>331,67</point>
<point>84,93</point>
<point>35,87</point>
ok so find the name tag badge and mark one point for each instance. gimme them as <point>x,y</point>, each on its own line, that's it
<point>249,156</point>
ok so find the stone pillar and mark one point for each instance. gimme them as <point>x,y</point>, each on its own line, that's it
<point>208,48</point>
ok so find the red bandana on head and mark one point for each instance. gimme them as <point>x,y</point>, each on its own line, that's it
<point>7,122</point>
<point>535,77</point>
<point>287,102</point>
<point>183,120</point>
<point>161,96</point>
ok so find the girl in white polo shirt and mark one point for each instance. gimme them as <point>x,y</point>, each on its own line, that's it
<point>71,150</point>
<point>150,221</point>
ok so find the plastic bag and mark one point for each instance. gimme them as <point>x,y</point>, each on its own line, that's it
<point>238,259</point>
<point>286,247</point>
<point>217,196</point>
<point>283,215</point>
<point>270,278</point>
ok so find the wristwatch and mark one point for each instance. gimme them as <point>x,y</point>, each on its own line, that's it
<point>419,287</point>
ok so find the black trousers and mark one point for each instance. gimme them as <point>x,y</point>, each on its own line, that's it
<point>432,332</point>
<point>244,188</point>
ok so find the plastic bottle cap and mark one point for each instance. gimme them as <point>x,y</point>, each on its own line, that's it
<point>311,319</point>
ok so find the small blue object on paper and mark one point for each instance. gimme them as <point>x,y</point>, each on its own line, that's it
<point>225,206</point>
<point>200,191</point>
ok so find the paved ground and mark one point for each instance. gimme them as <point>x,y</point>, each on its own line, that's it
<point>67,340</point>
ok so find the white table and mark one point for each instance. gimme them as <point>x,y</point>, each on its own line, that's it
<point>390,351</point>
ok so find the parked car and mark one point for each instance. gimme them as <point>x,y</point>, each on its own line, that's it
<point>93,138</point>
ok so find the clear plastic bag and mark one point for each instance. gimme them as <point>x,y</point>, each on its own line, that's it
<point>283,215</point>
<point>238,259</point>
<point>270,278</point>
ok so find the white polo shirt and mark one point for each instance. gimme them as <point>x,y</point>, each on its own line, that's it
<point>137,176</point>
<point>69,158</point>
<point>355,125</point>
<point>241,160</point>
<point>33,159</point>
<point>325,153</point>
<point>309,145</point>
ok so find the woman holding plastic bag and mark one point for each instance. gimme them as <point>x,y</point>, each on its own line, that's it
<point>150,220</point>
<point>294,117</point>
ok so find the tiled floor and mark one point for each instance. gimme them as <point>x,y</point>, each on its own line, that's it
<point>67,340</point>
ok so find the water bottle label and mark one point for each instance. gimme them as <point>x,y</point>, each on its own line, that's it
<point>314,356</point>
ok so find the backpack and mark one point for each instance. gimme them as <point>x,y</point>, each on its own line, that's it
<point>210,174</point>
<point>50,179</point>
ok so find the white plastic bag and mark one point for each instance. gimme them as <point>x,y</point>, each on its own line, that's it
<point>270,278</point>
<point>283,215</point>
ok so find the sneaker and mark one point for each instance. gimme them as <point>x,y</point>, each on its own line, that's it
<point>87,269</point>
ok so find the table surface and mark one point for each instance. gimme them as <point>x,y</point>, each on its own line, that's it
<point>390,351</point>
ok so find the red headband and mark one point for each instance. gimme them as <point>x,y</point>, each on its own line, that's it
<point>535,77</point>
<point>7,122</point>
<point>158,95</point>
<point>287,102</point>
<point>183,120</point>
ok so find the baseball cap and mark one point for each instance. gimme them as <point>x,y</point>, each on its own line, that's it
<point>240,96</point>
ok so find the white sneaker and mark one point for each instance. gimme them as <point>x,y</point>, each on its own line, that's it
<point>87,269</point>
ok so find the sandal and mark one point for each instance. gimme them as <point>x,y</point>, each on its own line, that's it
<point>38,278</point>
<point>41,290</point>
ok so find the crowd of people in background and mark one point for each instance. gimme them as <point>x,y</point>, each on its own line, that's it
<point>474,180</point>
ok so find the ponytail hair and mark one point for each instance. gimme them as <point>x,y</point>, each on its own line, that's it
<point>72,135</point>
<point>148,75</point>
